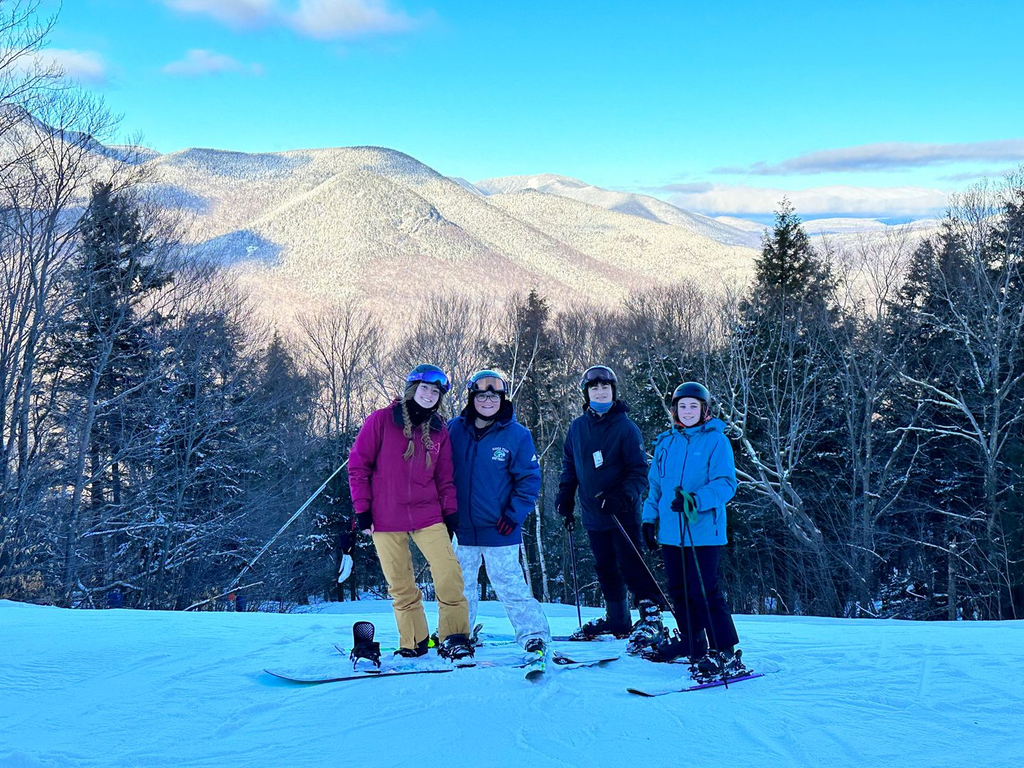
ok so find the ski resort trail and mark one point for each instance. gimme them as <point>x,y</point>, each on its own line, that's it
<point>133,688</point>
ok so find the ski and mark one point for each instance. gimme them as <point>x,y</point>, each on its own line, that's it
<point>697,686</point>
<point>568,662</point>
<point>535,667</point>
<point>363,676</point>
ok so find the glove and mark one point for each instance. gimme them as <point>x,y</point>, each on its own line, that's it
<point>505,525</point>
<point>615,503</point>
<point>451,522</point>
<point>685,504</point>
<point>565,505</point>
<point>364,520</point>
<point>649,531</point>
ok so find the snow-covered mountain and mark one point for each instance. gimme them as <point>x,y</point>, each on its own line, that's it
<point>368,223</point>
<point>633,204</point>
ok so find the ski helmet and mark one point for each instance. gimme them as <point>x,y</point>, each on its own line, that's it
<point>488,380</point>
<point>695,390</point>
<point>429,374</point>
<point>598,374</point>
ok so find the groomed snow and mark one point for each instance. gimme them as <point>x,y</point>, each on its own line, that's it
<point>134,688</point>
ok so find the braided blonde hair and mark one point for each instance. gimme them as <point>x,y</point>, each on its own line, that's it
<point>427,440</point>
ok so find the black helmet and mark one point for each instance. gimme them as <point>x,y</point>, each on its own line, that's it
<point>692,389</point>
<point>598,374</point>
<point>698,392</point>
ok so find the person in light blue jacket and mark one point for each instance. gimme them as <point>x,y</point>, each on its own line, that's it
<point>497,481</point>
<point>692,476</point>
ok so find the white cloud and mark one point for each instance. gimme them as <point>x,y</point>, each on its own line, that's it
<point>235,13</point>
<point>199,62</point>
<point>327,19</point>
<point>85,66</point>
<point>320,19</point>
<point>886,157</point>
<point>739,200</point>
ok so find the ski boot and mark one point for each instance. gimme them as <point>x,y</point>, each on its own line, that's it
<point>733,665</point>
<point>364,649</point>
<point>536,645</point>
<point>456,648</point>
<point>719,665</point>
<point>648,629</point>
<point>667,648</point>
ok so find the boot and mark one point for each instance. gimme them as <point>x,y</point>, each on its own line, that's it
<point>617,623</point>
<point>670,648</point>
<point>414,653</point>
<point>647,630</point>
<point>455,648</point>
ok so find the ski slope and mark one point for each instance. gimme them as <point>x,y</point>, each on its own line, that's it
<point>134,688</point>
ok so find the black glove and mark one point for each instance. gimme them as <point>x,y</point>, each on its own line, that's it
<point>616,503</point>
<point>364,520</point>
<point>451,522</point>
<point>685,504</point>
<point>506,525</point>
<point>565,505</point>
<point>649,532</point>
<point>346,542</point>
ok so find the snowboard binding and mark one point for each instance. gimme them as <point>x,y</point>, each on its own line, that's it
<point>363,646</point>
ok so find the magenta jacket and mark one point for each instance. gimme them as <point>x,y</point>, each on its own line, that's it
<point>402,495</point>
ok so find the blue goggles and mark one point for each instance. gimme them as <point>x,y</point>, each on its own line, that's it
<point>431,375</point>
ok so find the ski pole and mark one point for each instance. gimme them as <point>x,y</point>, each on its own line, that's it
<point>284,527</point>
<point>575,582</point>
<point>686,587</point>
<point>703,592</point>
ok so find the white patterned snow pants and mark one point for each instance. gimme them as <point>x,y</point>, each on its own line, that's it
<point>509,582</point>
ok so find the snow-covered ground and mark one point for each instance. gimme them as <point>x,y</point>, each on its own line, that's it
<point>133,688</point>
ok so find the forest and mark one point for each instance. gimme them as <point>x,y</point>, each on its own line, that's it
<point>157,434</point>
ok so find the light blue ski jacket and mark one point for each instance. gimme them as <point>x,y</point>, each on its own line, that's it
<point>699,460</point>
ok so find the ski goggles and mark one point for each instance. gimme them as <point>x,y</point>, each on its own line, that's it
<point>487,381</point>
<point>598,374</point>
<point>430,375</point>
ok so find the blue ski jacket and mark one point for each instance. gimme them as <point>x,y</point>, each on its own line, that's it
<point>495,472</point>
<point>603,454</point>
<point>699,460</point>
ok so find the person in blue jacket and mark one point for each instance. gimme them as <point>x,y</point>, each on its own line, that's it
<point>692,476</point>
<point>603,460</point>
<point>497,481</point>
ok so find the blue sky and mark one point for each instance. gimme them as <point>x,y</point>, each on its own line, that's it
<point>882,108</point>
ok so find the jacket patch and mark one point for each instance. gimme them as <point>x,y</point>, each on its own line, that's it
<point>499,454</point>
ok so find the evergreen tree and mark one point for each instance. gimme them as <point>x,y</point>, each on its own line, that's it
<point>782,376</point>
<point>108,362</point>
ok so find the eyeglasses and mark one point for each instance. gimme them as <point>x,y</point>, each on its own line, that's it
<point>487,396</point>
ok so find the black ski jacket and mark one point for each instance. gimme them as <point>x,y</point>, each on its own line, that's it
<point>604,455</point>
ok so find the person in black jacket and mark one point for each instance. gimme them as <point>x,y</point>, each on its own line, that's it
<point>604,459</point>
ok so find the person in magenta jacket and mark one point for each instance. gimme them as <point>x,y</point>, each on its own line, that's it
<point>400,478</point>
